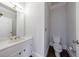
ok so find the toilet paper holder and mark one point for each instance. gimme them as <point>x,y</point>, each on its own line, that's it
<point>76,41</point>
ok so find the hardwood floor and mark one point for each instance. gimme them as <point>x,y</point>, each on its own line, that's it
<point>51,53</point>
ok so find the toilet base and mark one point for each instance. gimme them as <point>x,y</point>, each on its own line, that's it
<point>57,54</point>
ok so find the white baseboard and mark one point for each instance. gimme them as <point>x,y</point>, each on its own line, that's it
<point>35,54</point>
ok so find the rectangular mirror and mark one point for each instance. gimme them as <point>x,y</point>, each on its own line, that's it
<point>11,22</point>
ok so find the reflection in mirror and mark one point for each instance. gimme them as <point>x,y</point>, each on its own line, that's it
<point>11,22</point>
<point>7,16</point>
<point>20,24</point>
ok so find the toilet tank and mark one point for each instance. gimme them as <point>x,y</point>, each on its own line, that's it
<point>56,39</point>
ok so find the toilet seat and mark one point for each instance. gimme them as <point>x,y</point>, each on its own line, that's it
<point>57,47</point>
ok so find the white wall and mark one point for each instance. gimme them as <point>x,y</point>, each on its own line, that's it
<point>63,23</point>
<point>36,20</point>
<point>35,25</point>
<point>71,24</point>
<point>58,24</point>
<point>38,28</point>
<point>28,19</point>
<point>46,28</point>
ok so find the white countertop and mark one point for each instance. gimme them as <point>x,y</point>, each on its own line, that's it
<point>8,43</point>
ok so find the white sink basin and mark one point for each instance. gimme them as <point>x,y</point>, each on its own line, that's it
<point>15,39</point>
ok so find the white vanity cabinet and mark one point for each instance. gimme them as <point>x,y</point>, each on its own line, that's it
<point>19,50</point>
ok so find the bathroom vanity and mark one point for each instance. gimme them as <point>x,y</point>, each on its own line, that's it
<point>21,47</point>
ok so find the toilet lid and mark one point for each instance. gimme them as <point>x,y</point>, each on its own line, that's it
<point>57,46</point>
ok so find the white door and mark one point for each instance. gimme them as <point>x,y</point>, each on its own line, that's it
<point>77,29</point>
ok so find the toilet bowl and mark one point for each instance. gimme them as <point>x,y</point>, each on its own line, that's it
<point>58,49</point>
<point>57,46</point>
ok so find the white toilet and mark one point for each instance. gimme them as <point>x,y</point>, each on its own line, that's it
<point>57,46</point>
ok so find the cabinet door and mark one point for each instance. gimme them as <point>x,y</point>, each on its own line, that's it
<point>20,50</point>
<point>17,54</point>
<point>26,48</point>
<point>9,51</point>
